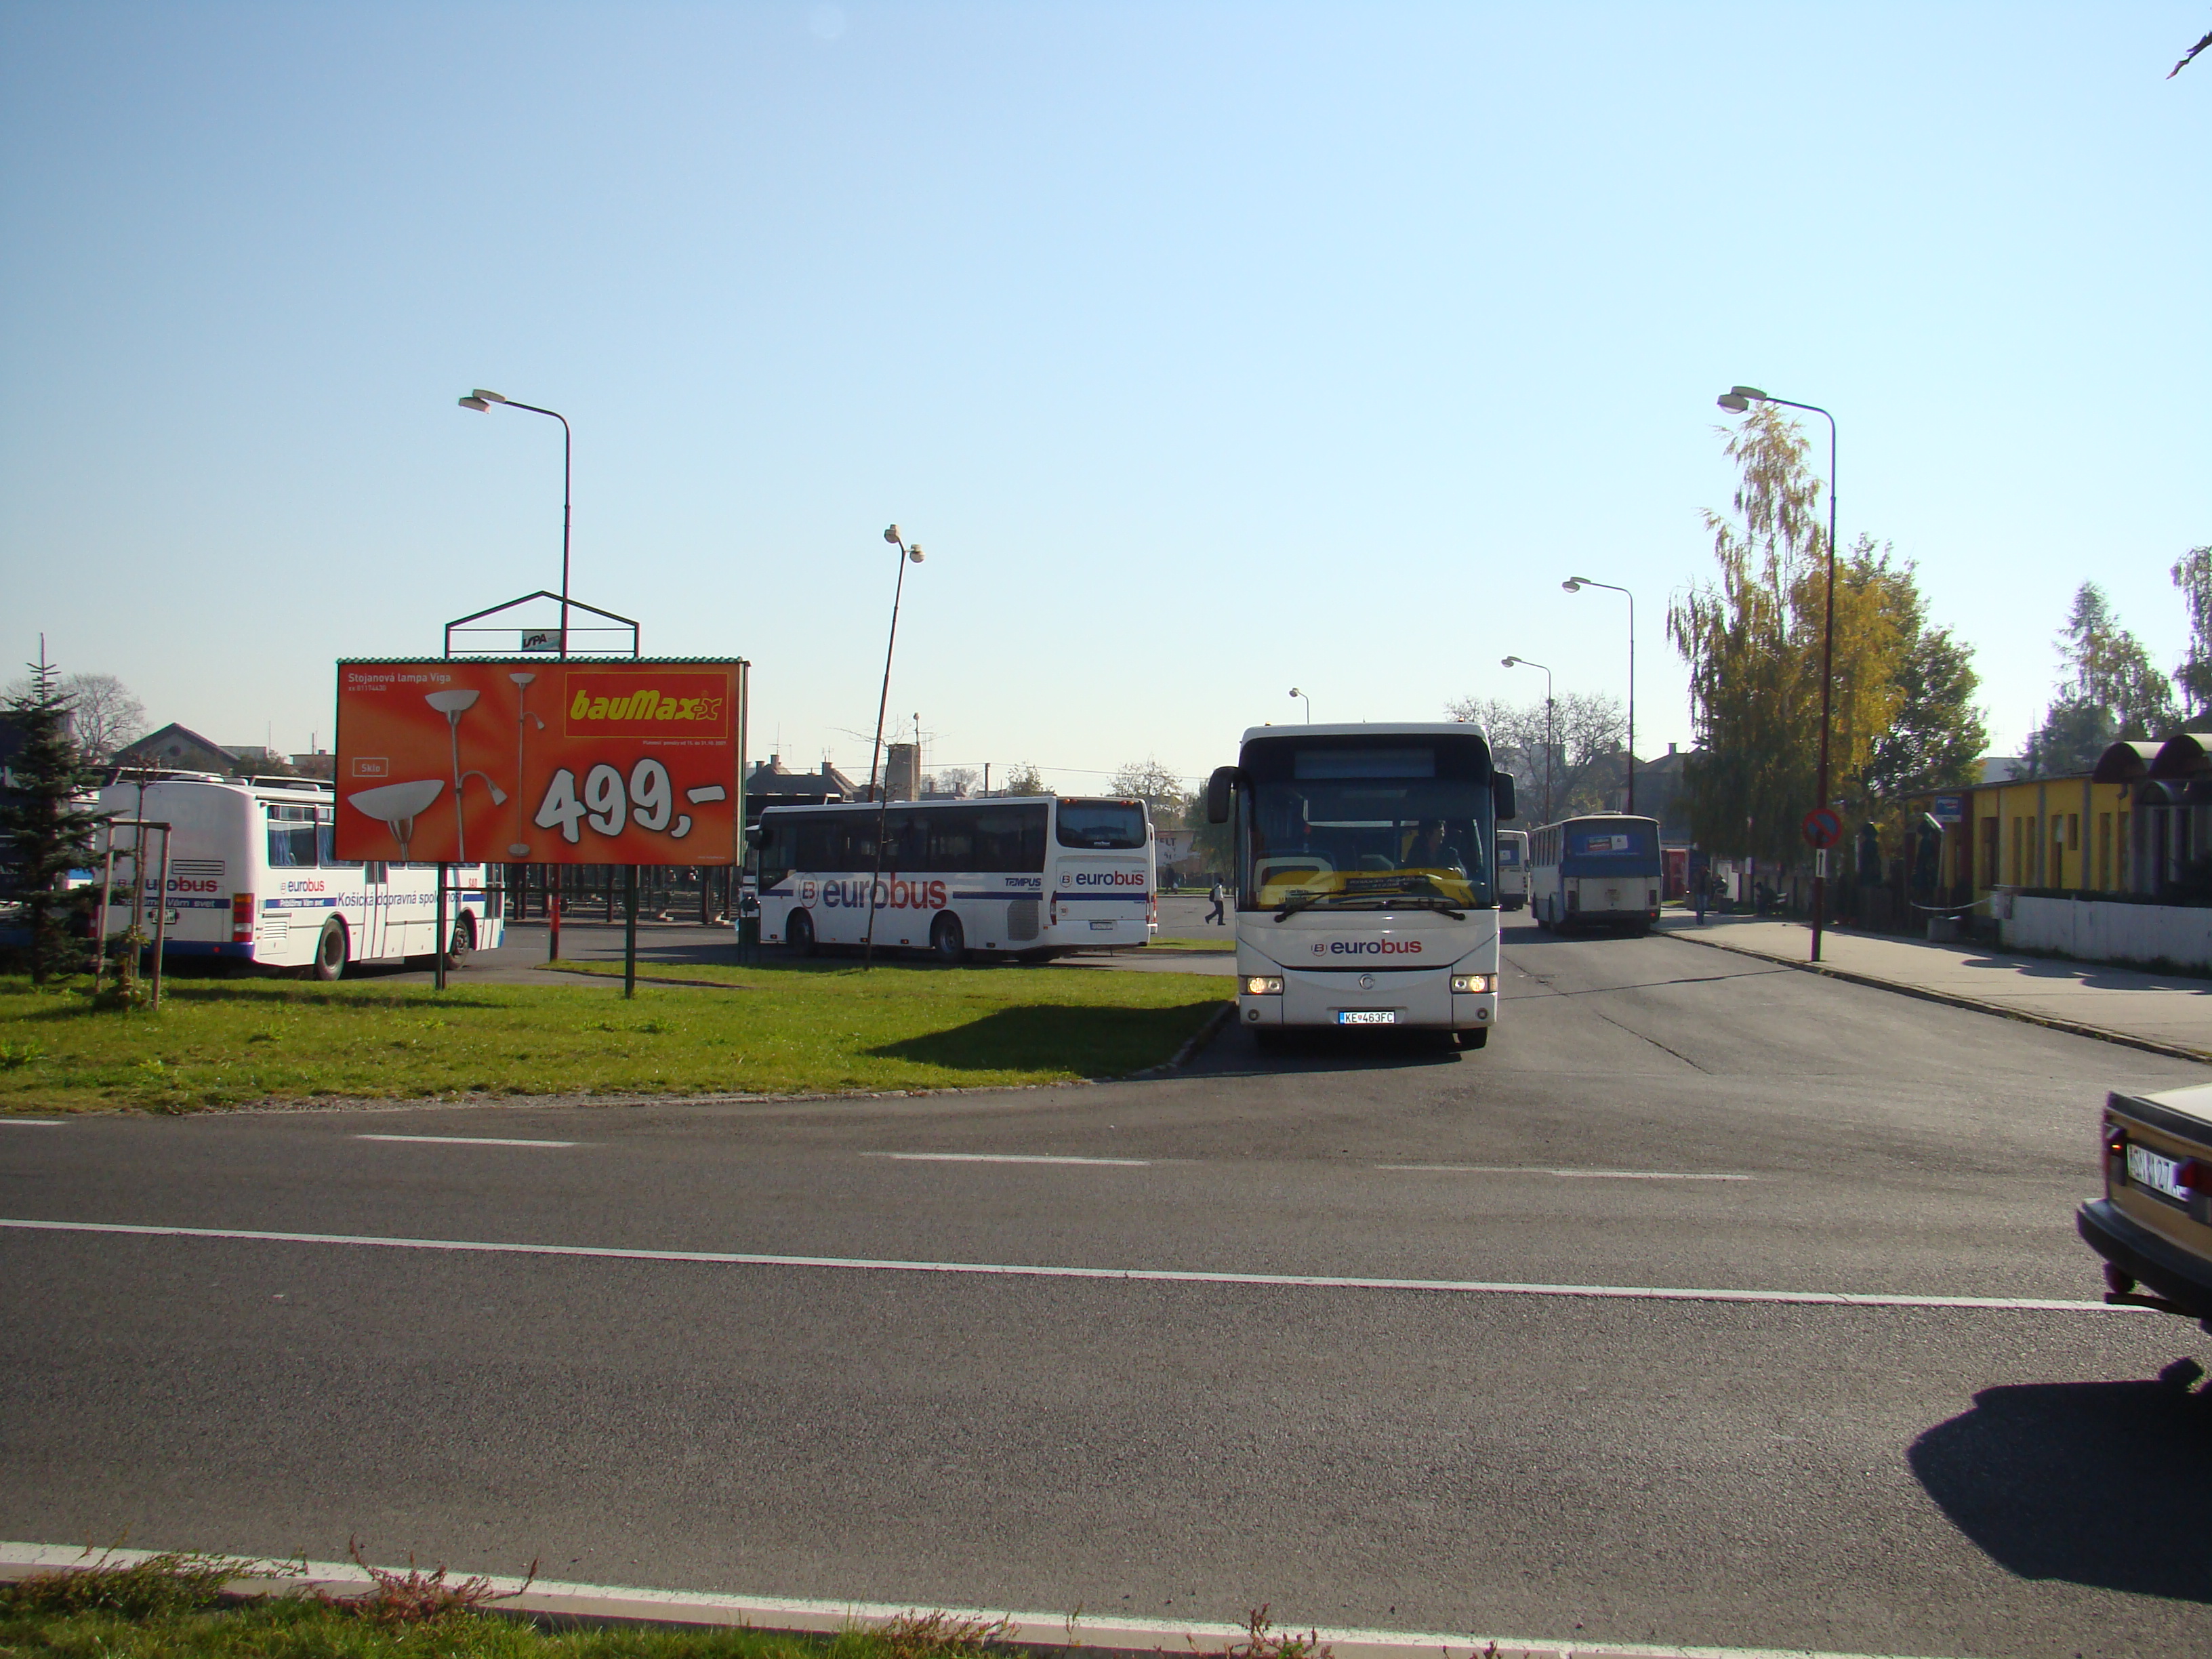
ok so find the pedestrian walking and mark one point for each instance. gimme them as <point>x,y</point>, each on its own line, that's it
<point>1219,895</point>
<point>1704,888</point>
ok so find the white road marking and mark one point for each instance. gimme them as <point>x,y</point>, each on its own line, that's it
<point>1569,1175</point>
<point>1007,1157</point>
<point>467,1140</point>
<point>779,1613</point>
<point>1140,1275</point>
<point>35,1123</point>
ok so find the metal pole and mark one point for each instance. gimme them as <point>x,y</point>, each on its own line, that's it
<point>161,917</point>
<point>1632,702</point>
<point>629,931</point>
<point>883,805</point>
<point>438,960</point>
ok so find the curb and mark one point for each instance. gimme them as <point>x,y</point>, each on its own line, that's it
<point>2073,1028</point>
<point>1184,1055</point>
<point>1073,1638</point>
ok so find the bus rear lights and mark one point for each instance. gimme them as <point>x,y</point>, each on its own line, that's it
<point>241,918</point>
<point>1473,985</point>
<point>1263,985</point>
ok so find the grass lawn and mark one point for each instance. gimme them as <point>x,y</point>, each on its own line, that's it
<point>796,1029</point>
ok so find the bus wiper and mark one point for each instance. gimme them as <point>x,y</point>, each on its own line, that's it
<point>1425,902</point>
<point>1298,902</point>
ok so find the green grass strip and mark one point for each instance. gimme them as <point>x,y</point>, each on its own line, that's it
<point>796,1029</point>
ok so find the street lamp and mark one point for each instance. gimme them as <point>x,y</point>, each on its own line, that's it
<point>908,555</point>
<point>1551,740</point>
<point>1736,400</point>
<point>481,401</point>
<point>1309,702</point>
<point>1575,584</point>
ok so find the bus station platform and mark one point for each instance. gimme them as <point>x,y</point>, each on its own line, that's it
<point>2165,1013</point>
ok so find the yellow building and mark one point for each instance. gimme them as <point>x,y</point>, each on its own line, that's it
<point>2131,825</point>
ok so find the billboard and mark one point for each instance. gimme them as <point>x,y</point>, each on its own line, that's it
<point>518,759</point>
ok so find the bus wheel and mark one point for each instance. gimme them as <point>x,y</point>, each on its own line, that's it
<point>329,951</point>
<point>798,934</point>
<point>462,942</point>
<point>947,941</point>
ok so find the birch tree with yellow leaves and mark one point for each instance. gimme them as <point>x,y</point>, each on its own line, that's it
<point>1752,637</point>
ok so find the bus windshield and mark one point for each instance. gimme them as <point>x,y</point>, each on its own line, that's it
<point>1355,826</point>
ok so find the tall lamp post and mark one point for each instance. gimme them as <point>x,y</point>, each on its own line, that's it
<point>1309,702</point>
<point>1575,584</point>
<point>1736,400</point>
<point>1550,736</point>
<point>481,401</point>
<point>907,556</point>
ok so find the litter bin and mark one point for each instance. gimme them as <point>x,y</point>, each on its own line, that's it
<point>1942,930</point>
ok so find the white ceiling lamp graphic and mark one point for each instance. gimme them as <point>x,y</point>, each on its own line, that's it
<point>519,850</point>
<point>452,705</point>
<point>396,805</point>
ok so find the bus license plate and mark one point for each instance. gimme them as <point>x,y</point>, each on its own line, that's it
<point>1367,1017</point>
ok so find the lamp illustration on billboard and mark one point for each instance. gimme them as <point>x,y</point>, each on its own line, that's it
<point>397,804</point>
<point>520,849</point>
<point>452,705</point>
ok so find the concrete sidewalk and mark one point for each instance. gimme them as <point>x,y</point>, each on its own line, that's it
<point>2165,1013</point>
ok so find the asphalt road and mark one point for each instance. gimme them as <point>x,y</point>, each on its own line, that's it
<point>1890,1479</point>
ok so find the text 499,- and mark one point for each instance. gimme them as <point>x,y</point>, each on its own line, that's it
<point>649,801</point>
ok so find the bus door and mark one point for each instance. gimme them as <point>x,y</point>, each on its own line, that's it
<point>375,916</point>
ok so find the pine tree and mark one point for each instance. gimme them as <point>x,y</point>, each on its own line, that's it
<point>44,834</point>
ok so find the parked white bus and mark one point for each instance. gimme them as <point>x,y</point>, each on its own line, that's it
<point>251,879</point>
<point>1512,869</point>
<point>1364,860</point>
<point>1031,877</point>
<point>1602,871</point>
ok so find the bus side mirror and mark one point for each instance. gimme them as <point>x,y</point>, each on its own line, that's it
<point>1217,793</point>
<point>1501,793</point>
<point>756,835</point>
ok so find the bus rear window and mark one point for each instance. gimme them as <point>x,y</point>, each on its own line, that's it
<point>1101,823</point>
<point>1608,842</point>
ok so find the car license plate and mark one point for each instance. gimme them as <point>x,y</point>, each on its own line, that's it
<point>2154,1172</point>
<point>1367,1017</point>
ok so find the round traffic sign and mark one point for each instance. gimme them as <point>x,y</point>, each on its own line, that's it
<point>1822,827</point>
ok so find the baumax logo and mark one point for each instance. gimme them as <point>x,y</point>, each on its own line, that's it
<point>1367,947</point>
<point>656,705</point>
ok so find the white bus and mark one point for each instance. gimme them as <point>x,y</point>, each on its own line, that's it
<point>1512,869</point>
<point>1029,876</point>
<point>1365,895</point>
<point>251,879</point>
<point>1601,871</point>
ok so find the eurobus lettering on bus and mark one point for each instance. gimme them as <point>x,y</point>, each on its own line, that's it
<point>1366,858</point>
<point>1031,877</point>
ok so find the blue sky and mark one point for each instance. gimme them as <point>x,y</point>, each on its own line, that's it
<point>1208,349</point>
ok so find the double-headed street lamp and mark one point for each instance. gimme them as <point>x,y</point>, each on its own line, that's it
<point>1736,400</point>
<point>1309,701</point>
<point>908,555</point>
<point>1551,737</point>
<point>481,401</point>
<point>1575,584</point>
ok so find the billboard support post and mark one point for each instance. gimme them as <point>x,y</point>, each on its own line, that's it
<point>438,961</point>
<point>630,930</point>
<point>556,877</point>
<point>160,916</point>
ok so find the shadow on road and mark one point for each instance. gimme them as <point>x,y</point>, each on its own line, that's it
<point>2090,1483</point>
<point>1091,1041</point>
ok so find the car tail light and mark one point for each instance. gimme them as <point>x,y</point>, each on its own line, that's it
<point>2195,1173</point>
<point>241,918</point>
<point>2115,1141</point>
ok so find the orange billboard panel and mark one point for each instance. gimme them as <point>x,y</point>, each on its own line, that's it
<point>527,760</point>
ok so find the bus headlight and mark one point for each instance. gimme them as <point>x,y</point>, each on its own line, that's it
<point>1474,985</point>
<point>1263,985</point>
